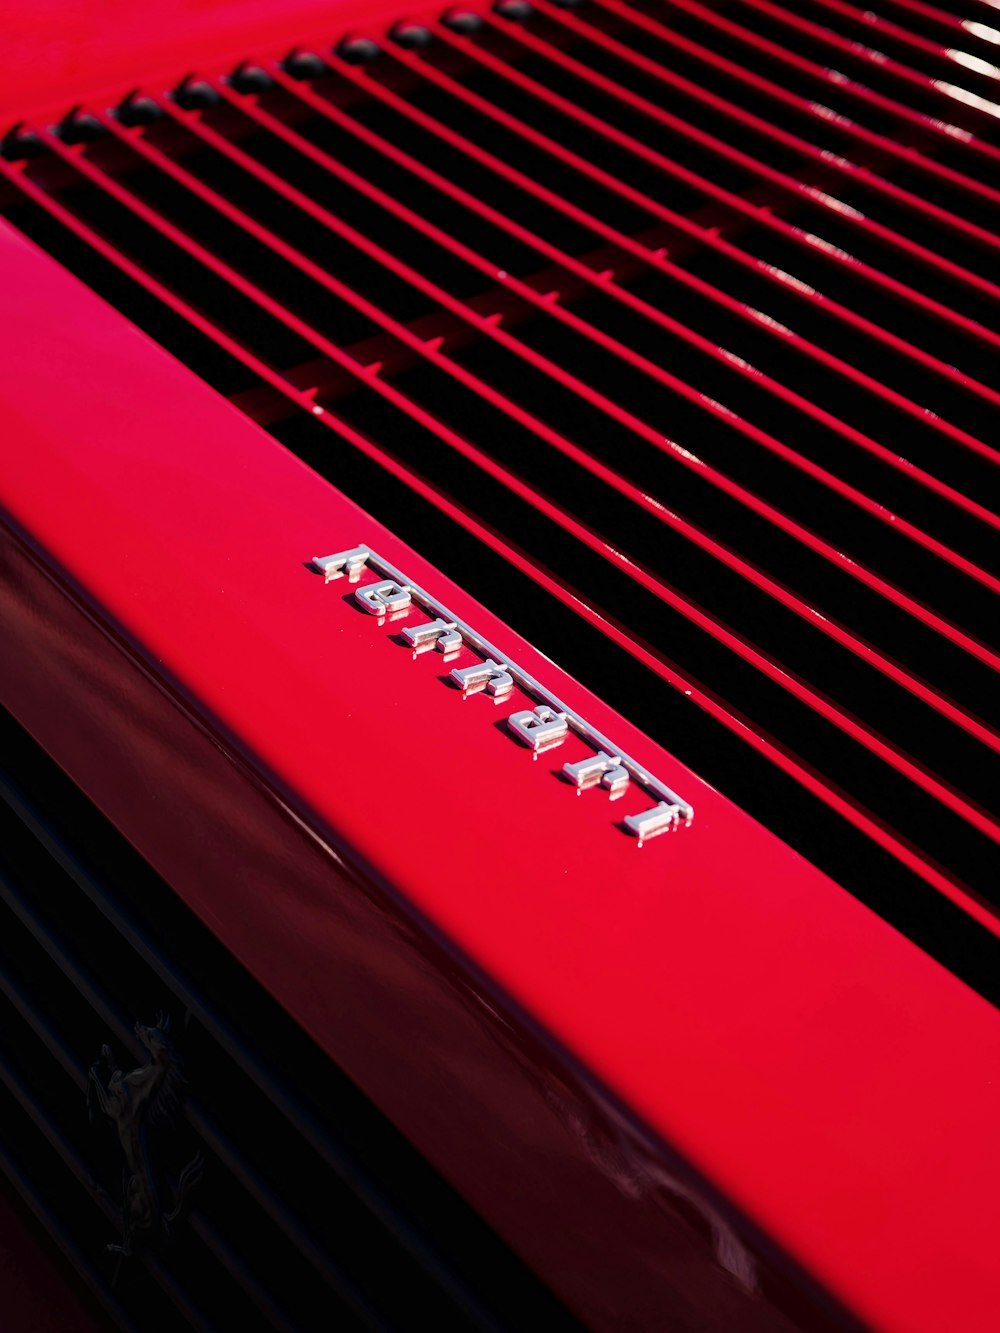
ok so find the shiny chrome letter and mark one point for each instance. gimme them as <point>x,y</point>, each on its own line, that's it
<point>661,819</point>
<point>384,598</point>
<point>602,768</point>
<point>350,563</point>
<point>541,728</point>
<point>490,676</point>
<point>442,634</point>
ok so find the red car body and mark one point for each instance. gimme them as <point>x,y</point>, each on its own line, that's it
<point>694,1083</point>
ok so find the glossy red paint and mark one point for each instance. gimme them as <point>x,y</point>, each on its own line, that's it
<point>39,1295</point>
<point>58,53</point>
<point>279,757</point>
<point>498,1109</point>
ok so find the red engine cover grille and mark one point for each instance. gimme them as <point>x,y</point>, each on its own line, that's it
<point>668,315</point>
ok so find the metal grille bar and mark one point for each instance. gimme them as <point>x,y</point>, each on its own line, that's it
<point>763,215</point>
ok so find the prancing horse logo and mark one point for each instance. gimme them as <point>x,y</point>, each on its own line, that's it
<point>149,1095</point>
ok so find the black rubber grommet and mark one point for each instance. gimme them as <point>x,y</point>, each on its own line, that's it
<point>411,35</point>
<point>80,127</point>
<point>305,65</point>
<point>463,21</point>
<point>196,95</point>
<point>20,145</point>
<point>358,50</point>
<point>251,79</point>
<point>516,10</point>
<point>139,110</point>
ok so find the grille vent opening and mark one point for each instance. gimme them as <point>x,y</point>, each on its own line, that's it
<point>643,303</point>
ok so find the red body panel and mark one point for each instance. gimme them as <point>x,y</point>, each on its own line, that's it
<point>39,1296</point>
<point>569,1026</point>
<point>58,53</point>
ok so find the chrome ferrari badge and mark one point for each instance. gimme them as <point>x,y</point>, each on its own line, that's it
<point>392,596</point>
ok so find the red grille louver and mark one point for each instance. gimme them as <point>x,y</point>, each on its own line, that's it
<point>677,323</point>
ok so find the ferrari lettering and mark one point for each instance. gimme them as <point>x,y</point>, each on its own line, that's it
<point>493,677</point>
<point>347,563</point>
<point>663,818</point>
<point>440,634</point>
<point>542,725</point>
<point>606,769</point>
<point>383,599</point>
